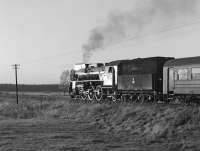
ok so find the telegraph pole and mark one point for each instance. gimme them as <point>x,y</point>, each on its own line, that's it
<point>16,66</point>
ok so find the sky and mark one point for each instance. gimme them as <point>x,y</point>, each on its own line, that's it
<point>47,36</point>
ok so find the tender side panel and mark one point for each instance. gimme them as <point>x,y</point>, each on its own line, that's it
<point>135,82</point>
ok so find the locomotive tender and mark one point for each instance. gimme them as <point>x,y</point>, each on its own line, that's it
<point>137,79</point>
<point>140,79</point>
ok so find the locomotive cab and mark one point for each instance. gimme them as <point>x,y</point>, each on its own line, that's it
<point>109,76</point>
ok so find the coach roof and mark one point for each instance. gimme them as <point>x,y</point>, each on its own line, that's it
<point>183,61</point>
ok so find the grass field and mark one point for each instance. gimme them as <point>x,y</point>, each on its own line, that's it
<point>50,121</point>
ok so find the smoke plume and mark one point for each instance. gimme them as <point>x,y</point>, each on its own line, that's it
<point>146,15</point>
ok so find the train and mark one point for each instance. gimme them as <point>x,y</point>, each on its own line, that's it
<point>152,79</point>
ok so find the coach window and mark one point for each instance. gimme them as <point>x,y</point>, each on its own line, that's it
<point>196,73</point>
<point>182,74</point>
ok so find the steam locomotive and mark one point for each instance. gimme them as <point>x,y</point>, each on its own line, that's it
<point>140,79</point>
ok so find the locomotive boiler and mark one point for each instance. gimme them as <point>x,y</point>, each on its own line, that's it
<point>84,79</point>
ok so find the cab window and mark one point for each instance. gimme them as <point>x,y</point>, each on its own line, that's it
<point>110,70</point>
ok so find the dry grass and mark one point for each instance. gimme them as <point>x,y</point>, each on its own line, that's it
<point>150,123</point>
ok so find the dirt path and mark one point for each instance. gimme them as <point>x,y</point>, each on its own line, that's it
<point>31,135</point>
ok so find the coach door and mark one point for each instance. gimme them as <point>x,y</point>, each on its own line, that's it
<point>171,79</point>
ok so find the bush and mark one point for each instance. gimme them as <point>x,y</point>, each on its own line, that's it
<point>182,117</point>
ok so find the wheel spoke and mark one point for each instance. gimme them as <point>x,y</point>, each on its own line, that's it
<point>98,93</point>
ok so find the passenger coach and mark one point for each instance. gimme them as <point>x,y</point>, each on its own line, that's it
<point>181,78</point>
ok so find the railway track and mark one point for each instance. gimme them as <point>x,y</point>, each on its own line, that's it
<point>130,102</point>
